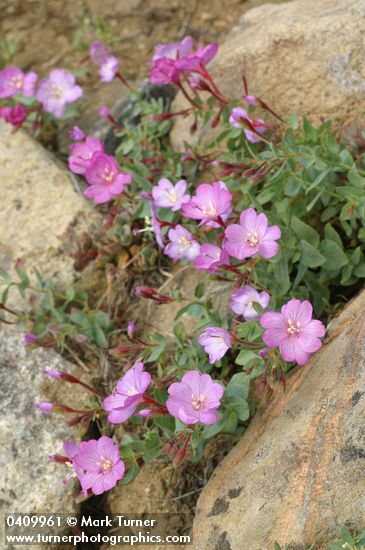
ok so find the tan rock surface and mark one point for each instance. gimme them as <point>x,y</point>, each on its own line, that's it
<point>305,57</point>
<point>297,475</point>
<point>38,202</point>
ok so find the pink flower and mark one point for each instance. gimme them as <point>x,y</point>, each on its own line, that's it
<point>156,228</point>
<point>14,115</point>
<point>29,339</point>
<point>164,62</point>
<point>45,407</point>
<point>170,60</point>
<point>293,331</point>
<point>71,448</point>
<point>164,71</point>
<point>244,298</point>
<point>57,91</point>
<point>216,342</point>
<point>174,50</point>
<point>102,465</point>
<point>212,200</point>
<point>237,120</point>
<point>201,56</point>
<point>104,178</point>
<point>167,195</point>
<point>252,236</point>
<point>127,395</point>
<point>98,52</point>
<point>195,399</point>
<point>182,245</point>
<point>52,373</point>
<point>211,257</point>
<point>76,134</point>
<point>131,329</point>
<point>251,99</point>
<point>108,68</point>
<point>14,81</point>
<point>104,112</point>
<point>82,153</point>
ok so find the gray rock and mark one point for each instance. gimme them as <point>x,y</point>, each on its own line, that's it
<point>297,474</point>
<point>29,481</point>
<point>38,203</point>
<point>303,57</point>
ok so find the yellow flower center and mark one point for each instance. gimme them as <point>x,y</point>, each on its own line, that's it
<point>172,195</point>
<point>252,239</point>
<point>199,403</point>
<point>293,329</point>
<point>184,242</point>
<point>57,91</point>
<point>17,81</point>
<point>108,175</point>
<point>209,210</point>
<point>105,464</point>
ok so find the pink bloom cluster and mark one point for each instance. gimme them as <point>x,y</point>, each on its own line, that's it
<point>127,395</point>
<point>171,60</point>
<point>14,115</point>
<point>13,81</point>
<point>54,93</point>
<point>108,64</point>
<point>239,118</point>
<point>96,463</point>
<point>101,171</point>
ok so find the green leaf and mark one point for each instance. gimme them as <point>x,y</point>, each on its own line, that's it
<point>318,180</point>
<point>245,358</point>
<point>335,256</point>
<point>311,257</point>
<point>99,336</point>
<point>200,290</point>
<point>239,405</point>
<point>304,231</point>
<point>332,235</point>
<point>180,333</point>
<point>214,429</point>
<point>239,385</point>
<point>281,273</point>
<point>5,277</point>
<point>359,271</point>
<point>355,178</point>
<point>167,425</point>
<point>230,422</point>
<point>159,349</point>
<point>131,474</point>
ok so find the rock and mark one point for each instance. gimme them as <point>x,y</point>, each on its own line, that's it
<point>302,57</point>
<point>297,473</point>
<point>30,482</point>
<point>151,495</point>
<point>38,203</point>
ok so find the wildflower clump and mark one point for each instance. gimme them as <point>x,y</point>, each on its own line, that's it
<point>270,209</point>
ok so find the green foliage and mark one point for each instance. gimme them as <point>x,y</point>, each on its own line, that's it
<point>53,316</point>
<point>313,189</point>
<point>347,541</point>
<point>8,47</point>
